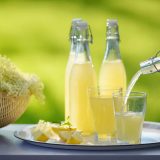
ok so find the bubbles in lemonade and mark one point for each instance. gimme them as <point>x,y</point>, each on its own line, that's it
<point>129,126</point>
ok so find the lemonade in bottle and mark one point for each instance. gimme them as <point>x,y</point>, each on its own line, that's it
<point>70,62</point>
<point>82,77</point>
<point>112,72</point>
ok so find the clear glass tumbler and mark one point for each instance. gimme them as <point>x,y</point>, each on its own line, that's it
<point>129,115</point>
<point>101,103</point>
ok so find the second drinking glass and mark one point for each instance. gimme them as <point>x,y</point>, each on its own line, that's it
<point>129,114</point>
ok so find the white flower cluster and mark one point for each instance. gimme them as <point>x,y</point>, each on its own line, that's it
<point>16,83</point>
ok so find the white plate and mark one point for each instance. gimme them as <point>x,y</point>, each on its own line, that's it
<point>150,138</point>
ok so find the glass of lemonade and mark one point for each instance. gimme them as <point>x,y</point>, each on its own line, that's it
<point>129,115</point>
<point>101,104</point>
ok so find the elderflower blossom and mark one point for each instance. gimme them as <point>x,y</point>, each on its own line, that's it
<point>15,83</point>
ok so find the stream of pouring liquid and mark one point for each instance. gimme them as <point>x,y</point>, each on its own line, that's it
<point>131,85</point>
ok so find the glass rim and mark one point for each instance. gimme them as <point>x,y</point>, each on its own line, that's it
<point>132,94</point>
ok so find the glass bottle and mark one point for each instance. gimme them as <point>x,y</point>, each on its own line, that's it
<point>151,65</point>
<point>112,71</point>
<point>72,37</point>
<point>82,77</point>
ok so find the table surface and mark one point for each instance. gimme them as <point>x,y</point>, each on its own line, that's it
<point>13,148</point>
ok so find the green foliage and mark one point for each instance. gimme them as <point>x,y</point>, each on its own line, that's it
<point>34,35</point>
<point>67,123</point>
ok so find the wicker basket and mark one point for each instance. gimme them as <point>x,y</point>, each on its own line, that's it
<point>11,108</point>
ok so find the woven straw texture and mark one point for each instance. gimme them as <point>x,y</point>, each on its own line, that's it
<point>11,108</point>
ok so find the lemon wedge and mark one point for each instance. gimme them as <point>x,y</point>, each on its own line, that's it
<point>44,131</point>
<point>71,137</point>
<point>58,128</point>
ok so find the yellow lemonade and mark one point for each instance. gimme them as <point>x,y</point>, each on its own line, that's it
<point>129,126</point>
<point>112,75</point>
<point>82,77</point>
<point>67,76</point>
<point>103,115</point>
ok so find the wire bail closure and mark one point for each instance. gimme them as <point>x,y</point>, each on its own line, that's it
<point>90,35</point>
<point>152,59</point>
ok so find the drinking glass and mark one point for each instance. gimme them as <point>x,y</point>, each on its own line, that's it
<point>101,104</point>
<point>129,115</point>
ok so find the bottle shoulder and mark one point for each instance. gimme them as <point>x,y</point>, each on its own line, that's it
<point>114,61</point>
<point>113,67</point>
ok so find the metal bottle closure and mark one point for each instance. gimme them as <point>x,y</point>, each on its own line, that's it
<point>112,51</point>
<point>82,32</point>
<point>112,31</point>
<point>72,31</point>
<point>151,65</point>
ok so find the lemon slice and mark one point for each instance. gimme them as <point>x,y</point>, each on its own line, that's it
<point>65,135</point>
<point>76,138</point>
<point>43,132</point>
<point>71,137</point>
<point>42,138</point>
<point>46,130</point>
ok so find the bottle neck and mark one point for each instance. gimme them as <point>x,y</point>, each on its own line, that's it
<point>73,48</point>
<point>150,66</point>
<point>82,54</point>
<point>80,38</point>
<point>112,50</point>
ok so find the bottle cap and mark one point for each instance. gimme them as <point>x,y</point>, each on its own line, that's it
<point>85,32</point>
<point>75,20</point>
<point>112,29</point>
<point>82,25</point>
<point>81,31</point>
<point>72,33</point>
<point>112,22</point>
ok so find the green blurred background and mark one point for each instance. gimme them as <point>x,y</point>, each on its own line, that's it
<point>34,35</point>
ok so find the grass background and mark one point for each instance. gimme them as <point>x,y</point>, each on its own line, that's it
<point>34,35</point>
